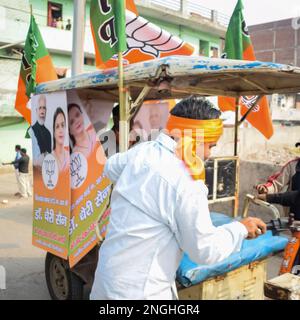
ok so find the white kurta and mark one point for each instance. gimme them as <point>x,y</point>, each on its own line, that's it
<point>158,212</point>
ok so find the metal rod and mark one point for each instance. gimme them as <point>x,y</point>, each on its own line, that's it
<point>250,109</point>
<point>215,181</point>
<point>78,37</point>
<point>236,125</point>
<point>221,200</point>
<point>11,44</point>
<point>237,189</point>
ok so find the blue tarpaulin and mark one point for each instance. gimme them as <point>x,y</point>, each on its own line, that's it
<point>190,273</point>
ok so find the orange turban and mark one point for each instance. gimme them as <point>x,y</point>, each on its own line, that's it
<point>189,132</point>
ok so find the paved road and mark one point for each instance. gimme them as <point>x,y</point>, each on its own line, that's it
<point>24,263</point>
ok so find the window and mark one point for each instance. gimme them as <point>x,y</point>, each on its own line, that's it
<point>214,52</point>
<point>204,48</point>
<point>55,15</point>
<point>89,61</point>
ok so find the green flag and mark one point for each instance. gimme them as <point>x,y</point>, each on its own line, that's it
<point>108,27</point>
<point>238,43</point>
<point>36,67</point>
<point>238,46</point>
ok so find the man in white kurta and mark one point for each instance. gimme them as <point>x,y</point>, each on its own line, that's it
<point>158,212</point>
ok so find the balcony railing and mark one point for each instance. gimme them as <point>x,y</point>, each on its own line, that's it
<point>187,7</point>
<point>15,21</point>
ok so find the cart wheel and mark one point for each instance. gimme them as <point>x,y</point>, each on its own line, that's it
<point>62,283</point>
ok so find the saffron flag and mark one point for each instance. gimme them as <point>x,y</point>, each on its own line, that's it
<point>108,27</point>
<point>144,40</point>
<point>36,67</point>
<point>238,46</point>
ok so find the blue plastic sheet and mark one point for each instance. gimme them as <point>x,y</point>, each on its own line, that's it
<point>190,273</point>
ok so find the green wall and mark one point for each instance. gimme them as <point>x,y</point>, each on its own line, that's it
<point>189,35</point>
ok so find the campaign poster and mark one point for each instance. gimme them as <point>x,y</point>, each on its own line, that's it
<point>51,172</point>
<point>151,119</point>
<point>98,110</point>
<point>90,188</point>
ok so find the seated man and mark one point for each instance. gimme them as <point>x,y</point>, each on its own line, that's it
<point>159,209</point>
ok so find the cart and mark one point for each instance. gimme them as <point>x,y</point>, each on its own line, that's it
<point>177,77</point>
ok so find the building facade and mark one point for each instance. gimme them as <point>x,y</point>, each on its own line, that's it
<point>279,41</point>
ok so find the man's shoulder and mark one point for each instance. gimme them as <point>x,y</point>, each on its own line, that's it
<point>35,126</point>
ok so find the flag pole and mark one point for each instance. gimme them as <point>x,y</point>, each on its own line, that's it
<point>78,37</point>
<point>123,103</point>
<point>237,174</point>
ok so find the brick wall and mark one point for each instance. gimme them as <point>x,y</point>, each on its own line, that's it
<point>276,41</point>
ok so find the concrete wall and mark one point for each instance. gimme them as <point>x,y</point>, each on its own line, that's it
<point>252,142</point>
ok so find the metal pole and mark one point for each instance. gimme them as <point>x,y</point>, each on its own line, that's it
<point>78,36</point>
<point>236,125</point>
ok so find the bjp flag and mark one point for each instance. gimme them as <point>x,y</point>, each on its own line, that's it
<point>36,67</point>
<point>238,46</point>
<point>145,40</point>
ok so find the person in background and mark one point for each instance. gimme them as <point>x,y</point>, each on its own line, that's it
<point>53,23</point>
<point>110,138</point>
<point>69,26</point>
<point>24,183</point>
<point>289,199</point>
<point>59,24</point>
<point>17,157</point>
<point>287,179</point>
<point>16,166</point>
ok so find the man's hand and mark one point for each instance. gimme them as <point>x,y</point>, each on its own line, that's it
<point>254,226</point>
<point>262,197</point>
<point>261,188</point>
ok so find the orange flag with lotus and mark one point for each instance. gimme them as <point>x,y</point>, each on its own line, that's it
<point>145,41</point>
